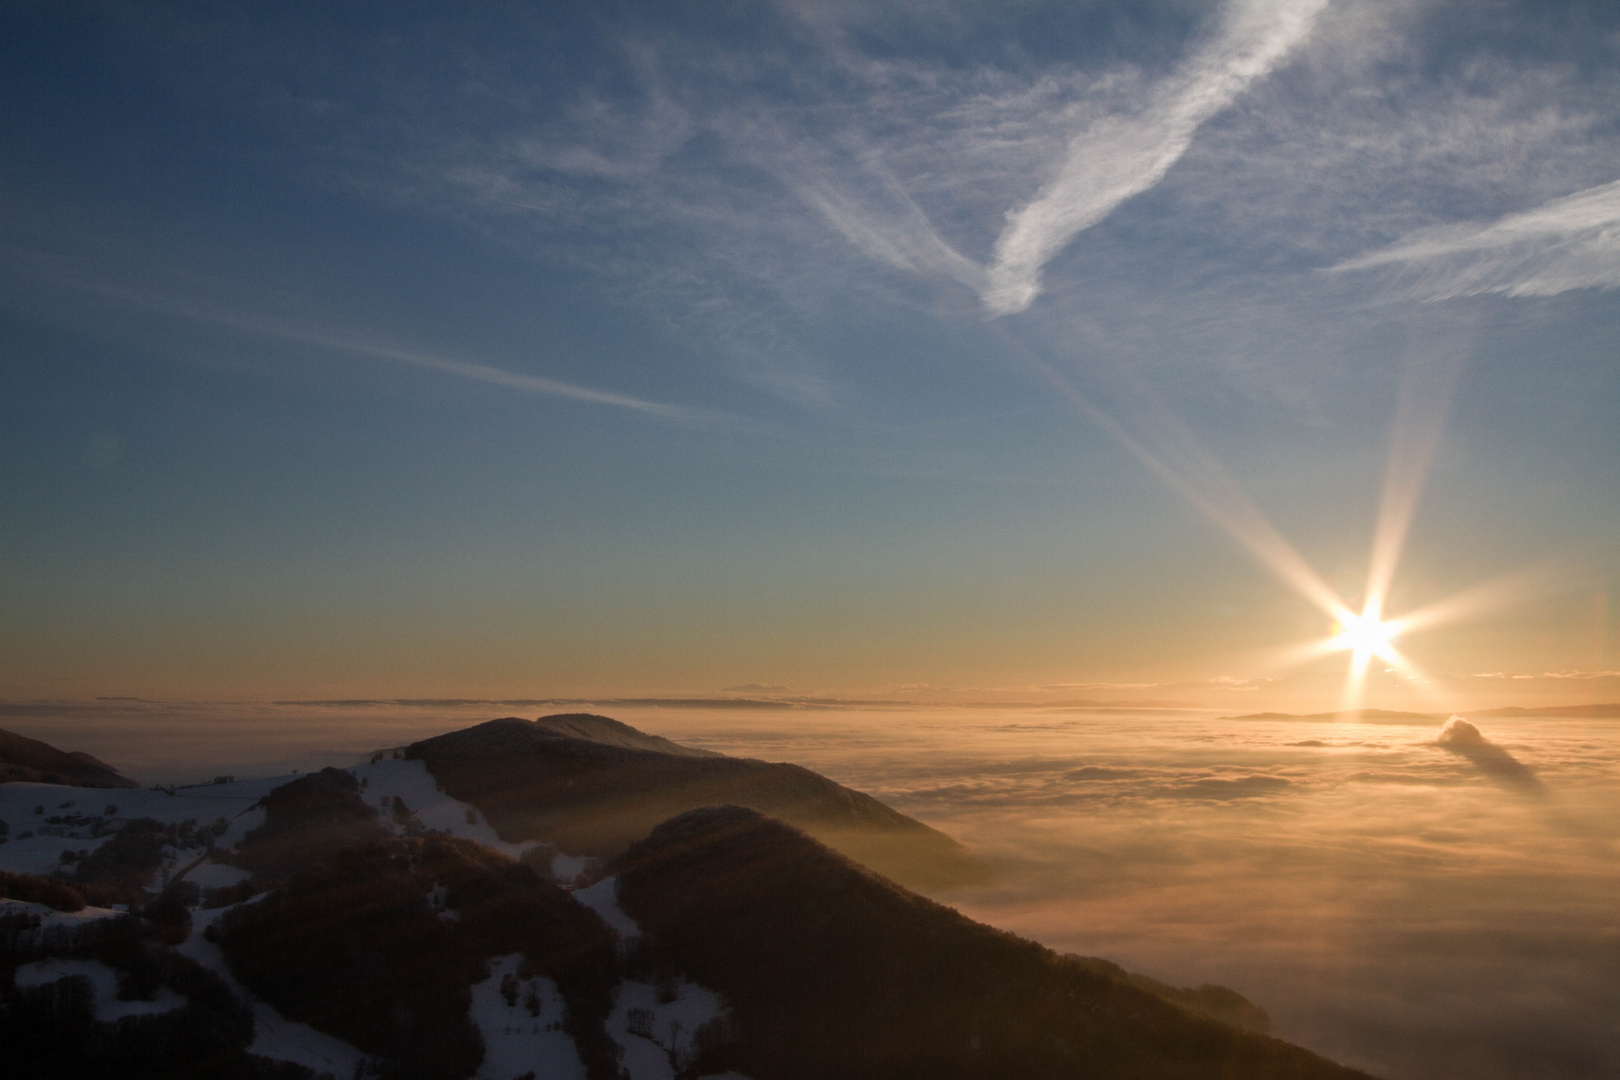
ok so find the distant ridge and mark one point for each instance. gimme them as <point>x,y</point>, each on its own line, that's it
<point>1602,712</point>
<point>594,786</point>
<point>1366,716</point>
<point>29,760</point>
<point>1383,716</point>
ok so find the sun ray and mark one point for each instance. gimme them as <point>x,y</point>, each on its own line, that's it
<point>1479,599</point>
<point>1422,402</point>
<point>1171,452</point>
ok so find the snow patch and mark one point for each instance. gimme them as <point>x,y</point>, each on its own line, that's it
<point>49,917</point>
<point>104,985</point>
<point>657,1025</point>
<point>411,782</point>
<point>213,875</point>
<point>603,898</point>
<point>523,1034</point>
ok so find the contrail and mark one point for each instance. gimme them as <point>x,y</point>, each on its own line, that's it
<point>1119,157</point>
<point>358,344</point>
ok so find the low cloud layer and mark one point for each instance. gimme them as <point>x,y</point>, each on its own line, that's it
<point>1385,890</point>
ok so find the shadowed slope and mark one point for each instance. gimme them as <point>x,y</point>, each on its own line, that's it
<point>595,798</point>
<point>307,821</point>
<point>41,763</point>
<point>360,947</point>
<point>834,971</point>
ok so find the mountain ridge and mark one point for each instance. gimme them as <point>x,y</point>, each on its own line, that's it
<point>30,760</point>
<point>596,798</point>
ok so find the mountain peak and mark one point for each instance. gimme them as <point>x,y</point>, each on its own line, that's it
<point>515,735</point>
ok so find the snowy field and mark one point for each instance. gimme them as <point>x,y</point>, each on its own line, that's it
<point>519,1019</point>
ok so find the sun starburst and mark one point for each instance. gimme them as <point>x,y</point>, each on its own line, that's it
<point>1170,450</point>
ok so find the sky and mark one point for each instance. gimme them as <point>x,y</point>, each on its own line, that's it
<point>926,350</point>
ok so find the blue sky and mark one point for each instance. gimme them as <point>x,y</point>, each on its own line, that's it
<point>620,348</point>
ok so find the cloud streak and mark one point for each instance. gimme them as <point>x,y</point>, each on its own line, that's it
<point>1568,243</point>
<point>358,343</point>
<point>1118,157</point>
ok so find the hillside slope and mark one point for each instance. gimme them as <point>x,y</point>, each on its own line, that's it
<point>596,798</point>
<point>22,758</point>
<point>833,971</point>
<point>379,946</point>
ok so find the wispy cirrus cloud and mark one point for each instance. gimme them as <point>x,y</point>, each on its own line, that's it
<point>1118,157</point>
<point>1110,158</point>
<point>977,175</point>
<point>1568,243</point>
<point>741,205</point>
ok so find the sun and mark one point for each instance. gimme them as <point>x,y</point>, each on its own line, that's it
<point>1366,634</point>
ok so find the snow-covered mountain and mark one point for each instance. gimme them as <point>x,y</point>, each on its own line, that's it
<point>372,922</point>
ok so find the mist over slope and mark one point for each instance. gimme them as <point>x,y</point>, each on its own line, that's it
<point>595,797</point>
<point>838,972</point>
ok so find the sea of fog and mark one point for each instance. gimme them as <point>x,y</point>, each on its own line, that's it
<point>1417,910</point>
